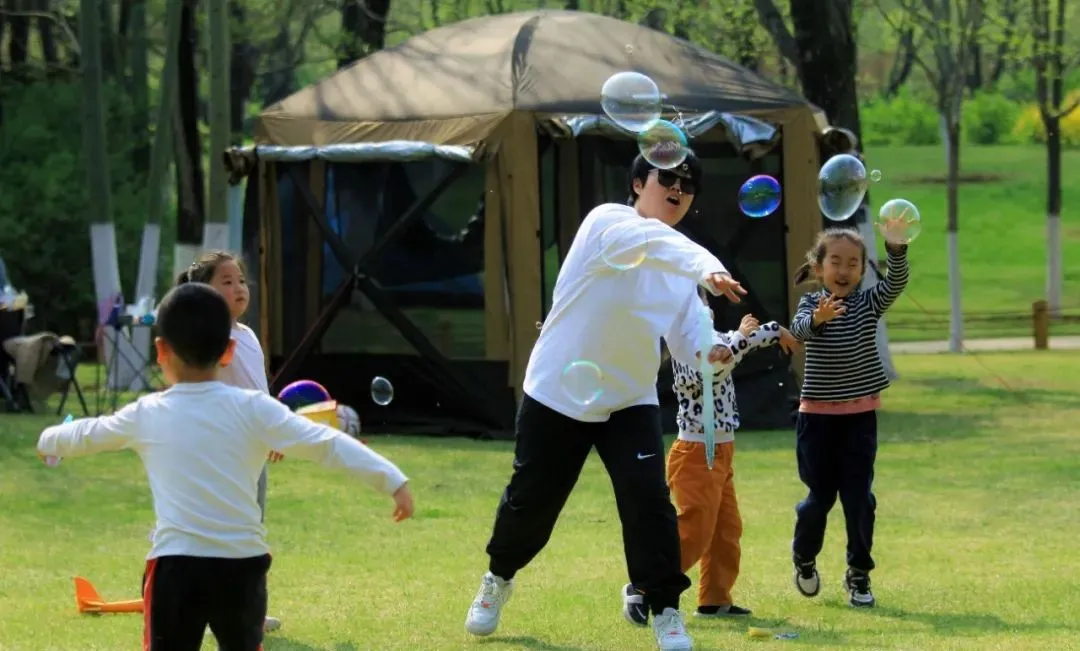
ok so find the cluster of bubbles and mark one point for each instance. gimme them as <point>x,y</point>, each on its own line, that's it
<point>633,101</point>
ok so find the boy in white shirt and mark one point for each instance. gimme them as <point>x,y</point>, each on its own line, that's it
<point>204,444</point>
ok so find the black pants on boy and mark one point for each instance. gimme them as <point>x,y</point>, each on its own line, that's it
<point>183,595</point>
<point>836,457</point>
<point>548,456</point>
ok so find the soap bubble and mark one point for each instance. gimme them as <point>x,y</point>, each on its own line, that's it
<point>875,175</point>
<point>759,196</point>
<point>898,221</point>
<point>663,145</point>
<point>582,381</point>
<point>382,392</point>
<point>303,393</point>
<point>841,187</point>
<point>631,100</point>
<point>623,246</point>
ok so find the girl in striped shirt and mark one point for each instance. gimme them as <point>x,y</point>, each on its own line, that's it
<point>836,429</point>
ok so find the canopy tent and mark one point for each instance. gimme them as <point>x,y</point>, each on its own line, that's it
<point>431,189</point>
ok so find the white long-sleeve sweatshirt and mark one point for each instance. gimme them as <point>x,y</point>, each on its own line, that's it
<point>614,317</point>
<point>204,445</point>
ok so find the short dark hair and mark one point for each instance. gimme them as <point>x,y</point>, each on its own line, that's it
<point>202,270</point>
<point>194,319</point>
<point>640,169</point>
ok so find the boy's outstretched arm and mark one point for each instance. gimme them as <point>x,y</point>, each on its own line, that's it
<point>285,431</point>
<point>87,436</point>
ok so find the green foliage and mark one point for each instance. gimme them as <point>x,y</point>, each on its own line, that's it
<point>44,212</point>
<point>902,120</point>
<point>988,119</point>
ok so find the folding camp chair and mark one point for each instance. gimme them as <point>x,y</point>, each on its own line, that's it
<point>68,354</point>
<point>11,325</point>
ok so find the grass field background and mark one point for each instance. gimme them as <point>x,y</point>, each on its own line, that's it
<point>1002,238</point>
<point>976,542</point>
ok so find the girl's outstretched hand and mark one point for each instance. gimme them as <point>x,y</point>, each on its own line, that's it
<point>828,308</point>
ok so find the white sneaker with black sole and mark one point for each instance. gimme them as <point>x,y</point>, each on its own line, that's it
<point>807,579</point>
<point>857,583</point>
<point>634,608</point>
<point>671,631</point>
<point>483,617</point>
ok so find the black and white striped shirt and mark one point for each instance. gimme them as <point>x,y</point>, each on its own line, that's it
<point>842,361</point>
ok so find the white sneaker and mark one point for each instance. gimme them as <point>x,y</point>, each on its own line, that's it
<point>483,617</point>
<point>671,632</point>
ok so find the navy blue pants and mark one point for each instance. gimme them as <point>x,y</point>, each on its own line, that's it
<point>836,458</point>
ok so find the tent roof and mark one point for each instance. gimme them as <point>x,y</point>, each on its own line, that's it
<point>539,61</point>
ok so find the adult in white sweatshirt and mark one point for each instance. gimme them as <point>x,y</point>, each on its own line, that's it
<point>611,316</point>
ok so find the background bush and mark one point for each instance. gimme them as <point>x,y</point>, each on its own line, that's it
<point>902,120</point>
<point>44,210</point>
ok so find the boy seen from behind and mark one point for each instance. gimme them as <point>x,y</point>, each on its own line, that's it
<point>204,444</point>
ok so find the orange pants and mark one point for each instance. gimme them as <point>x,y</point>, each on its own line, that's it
<point>709,522</point>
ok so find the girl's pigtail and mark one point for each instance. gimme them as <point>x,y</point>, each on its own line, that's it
<point>802,274</point>
<point>184,277</point>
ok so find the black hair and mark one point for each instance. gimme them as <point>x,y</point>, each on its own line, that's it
<point>816,255</point>
<point>194,319</point>
<point>640,169</point>
<point>202,270</point>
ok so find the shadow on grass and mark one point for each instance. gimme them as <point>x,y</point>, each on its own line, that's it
<point>964,624</point>
<point>275,643</point>
<point>1002,395</point>
<point>828,638</point>
<point>529,642</point>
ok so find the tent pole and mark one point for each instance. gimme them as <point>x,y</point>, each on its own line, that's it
<point>415,211</point>
<point>315,333</point>
<point>439,365</point>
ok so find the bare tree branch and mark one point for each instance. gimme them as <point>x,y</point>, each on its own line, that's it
<point>773,22</point>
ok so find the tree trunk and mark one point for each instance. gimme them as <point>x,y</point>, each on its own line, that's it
<point>952,154</point>
<point>188,149</point>
<point>279,78</point>
<point>48,43</point>
<point>903,61</point>
<point>244,59</point>
<point>364,25</point>
<point>220,108</point>
<point>1054,271</point>
<point>18,44</point>
<point>825,39</point>
<point>140,92</point>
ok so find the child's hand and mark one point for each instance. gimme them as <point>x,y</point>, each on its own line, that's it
<point>403,504</point>
<point>274,456</point>
<point>788,343</point>
<point>748,325</point>
<point>720,353</point>
<point>828,308</point>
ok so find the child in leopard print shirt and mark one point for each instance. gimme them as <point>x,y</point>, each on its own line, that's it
<point>709,523</point>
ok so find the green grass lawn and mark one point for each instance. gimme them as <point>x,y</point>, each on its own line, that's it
<point>1002,237</point>
<point>976,543</point>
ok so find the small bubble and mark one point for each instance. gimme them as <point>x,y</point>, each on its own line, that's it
<point>539,325</point>
<point>875,175</point>
<point>583,382</point>
<point>382,392</point>
<point>630,50</point>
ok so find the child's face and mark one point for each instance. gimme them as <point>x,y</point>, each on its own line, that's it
<point>842,268</point>
<point>229,280</point>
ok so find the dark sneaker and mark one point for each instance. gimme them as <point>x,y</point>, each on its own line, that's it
<point>858,585</point>
<point>634,608</point>
<point>807,580</point>
<point>722,611</point>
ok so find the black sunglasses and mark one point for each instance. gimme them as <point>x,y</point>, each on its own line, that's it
<point>667,178</point>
